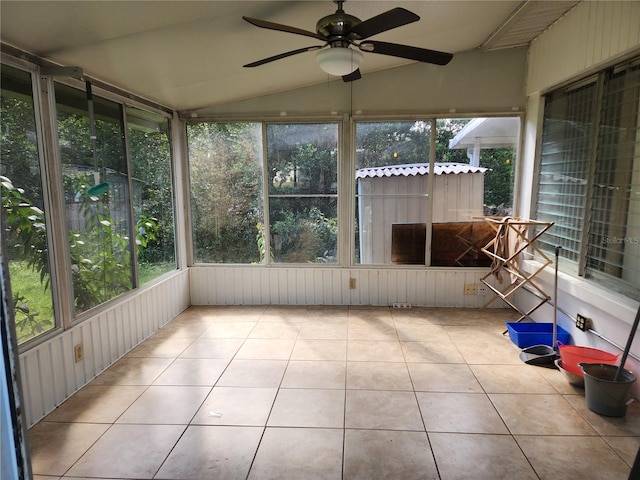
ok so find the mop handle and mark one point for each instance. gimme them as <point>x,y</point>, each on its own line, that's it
<point>555,299</point>
<point>628,347</point>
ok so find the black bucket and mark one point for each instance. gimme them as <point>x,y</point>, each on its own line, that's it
<point>604,395</point>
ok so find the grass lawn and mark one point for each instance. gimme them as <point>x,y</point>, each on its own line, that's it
<point>25,282</point>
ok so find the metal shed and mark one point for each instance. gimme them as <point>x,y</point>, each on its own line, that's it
<point>397,194</point>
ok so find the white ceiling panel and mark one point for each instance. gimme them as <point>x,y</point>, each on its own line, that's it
<point>189,54</point>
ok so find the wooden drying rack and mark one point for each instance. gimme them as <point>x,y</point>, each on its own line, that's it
<point>514,236</point>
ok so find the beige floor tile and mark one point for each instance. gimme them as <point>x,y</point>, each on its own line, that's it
<point>568,458</point>
<point>47,477</point>
<point>382,410</point>
<point>308,408</point>
<point>240,406</point>
<point>299,453</point>
<point>323,330</point>
<point>96,404</point>
<point>286,313</point>
<point>422,333</point>
<point>431,352</point>
<point>213,348</point>
<point>415,316</point>
<point>266,349</point>
<point>378,376</point>
<point>629,425</point>
<point>128,451</point>
<point>335,350</point>
<point>382,455</point>
<point>211,452</point>
<point>446,377</point>
<point>315,374</point>
<point>488,353</point>
<point>228,329</point>
<point>161,346</point>
<point>626,447</point>
<point>55,447</point>
<point>166,405</point>
<point>459,412</point>
<point>240,313</point>
<point>374,351</point>
<point>276,330</point>
<point>253,373</point>
<point>328,313</point>
<point>380,331</point>
<point>528,414</point>
<point>511,379</point>
<point>133,371</point>
<point>464,456</point>
<point>181,330</point>
<point>371,315</point>
<point>481,335</point>
<point>193,371</point>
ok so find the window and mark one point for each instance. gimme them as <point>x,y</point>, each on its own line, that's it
<point>96,186</point>
<point>589,182</point>
<point>228,173</point>
<point>303,181</point>
<point>23,203</point>
<point>151,181</point>
<point>225,174</point>
<point>400,196</point>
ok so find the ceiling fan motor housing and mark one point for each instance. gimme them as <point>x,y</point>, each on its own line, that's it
<point>336,28</point>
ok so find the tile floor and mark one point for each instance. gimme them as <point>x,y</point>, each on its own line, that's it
<point>331,393</point>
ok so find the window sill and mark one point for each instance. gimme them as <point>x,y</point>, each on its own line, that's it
<point>614,304</point>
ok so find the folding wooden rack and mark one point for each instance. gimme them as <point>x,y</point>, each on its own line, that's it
<point>513,237</point>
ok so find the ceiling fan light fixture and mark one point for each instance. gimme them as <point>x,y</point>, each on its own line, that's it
<point>339,61</point>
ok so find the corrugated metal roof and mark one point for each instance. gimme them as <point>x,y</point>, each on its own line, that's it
<point>414,169</point>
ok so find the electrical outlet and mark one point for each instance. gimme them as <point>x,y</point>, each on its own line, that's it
<point>78,352</point>
<point>482,289</point>
<point>352,283</point>
<point>401,305</point>
<point>470,288</point>
<point>583,323</point>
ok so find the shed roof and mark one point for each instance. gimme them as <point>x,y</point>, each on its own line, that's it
<point>414,169</point>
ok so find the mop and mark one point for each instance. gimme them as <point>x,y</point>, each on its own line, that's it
<point>545,354</point>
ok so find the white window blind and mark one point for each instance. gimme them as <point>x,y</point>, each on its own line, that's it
<point>614,233</point>
<point>564,166</point>
<point>589,176</point>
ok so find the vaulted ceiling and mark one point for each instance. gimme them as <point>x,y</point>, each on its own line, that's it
<point>189,54</point>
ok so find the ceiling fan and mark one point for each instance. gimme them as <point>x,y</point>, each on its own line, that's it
<point>346,37</point>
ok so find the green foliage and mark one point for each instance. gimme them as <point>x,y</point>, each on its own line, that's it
<point>498,181</point>
<point>100,257</point>
<point>226,191</point>
<point>27,322</point>
<point>25,227</point>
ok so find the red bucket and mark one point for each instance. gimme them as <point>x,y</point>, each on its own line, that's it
<point>572,355</point>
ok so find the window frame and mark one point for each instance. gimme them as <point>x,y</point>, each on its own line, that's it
<point>42,87</point>
<point>580,268</point>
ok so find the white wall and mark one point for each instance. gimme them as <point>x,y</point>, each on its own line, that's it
<point>49,373</point>
<point>473,82</point>
<point>246,285</point>
<point>589,37</point>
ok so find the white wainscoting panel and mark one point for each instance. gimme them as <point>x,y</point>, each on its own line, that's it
<point>49,372</point>
<point>244,285</point>
<point>588,35</point>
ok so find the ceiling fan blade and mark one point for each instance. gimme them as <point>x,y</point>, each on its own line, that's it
<point>282,55</point>
<point>394,18</point>
<point>355,75</point>
<point>283,28</point>
<point>405,51</point>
